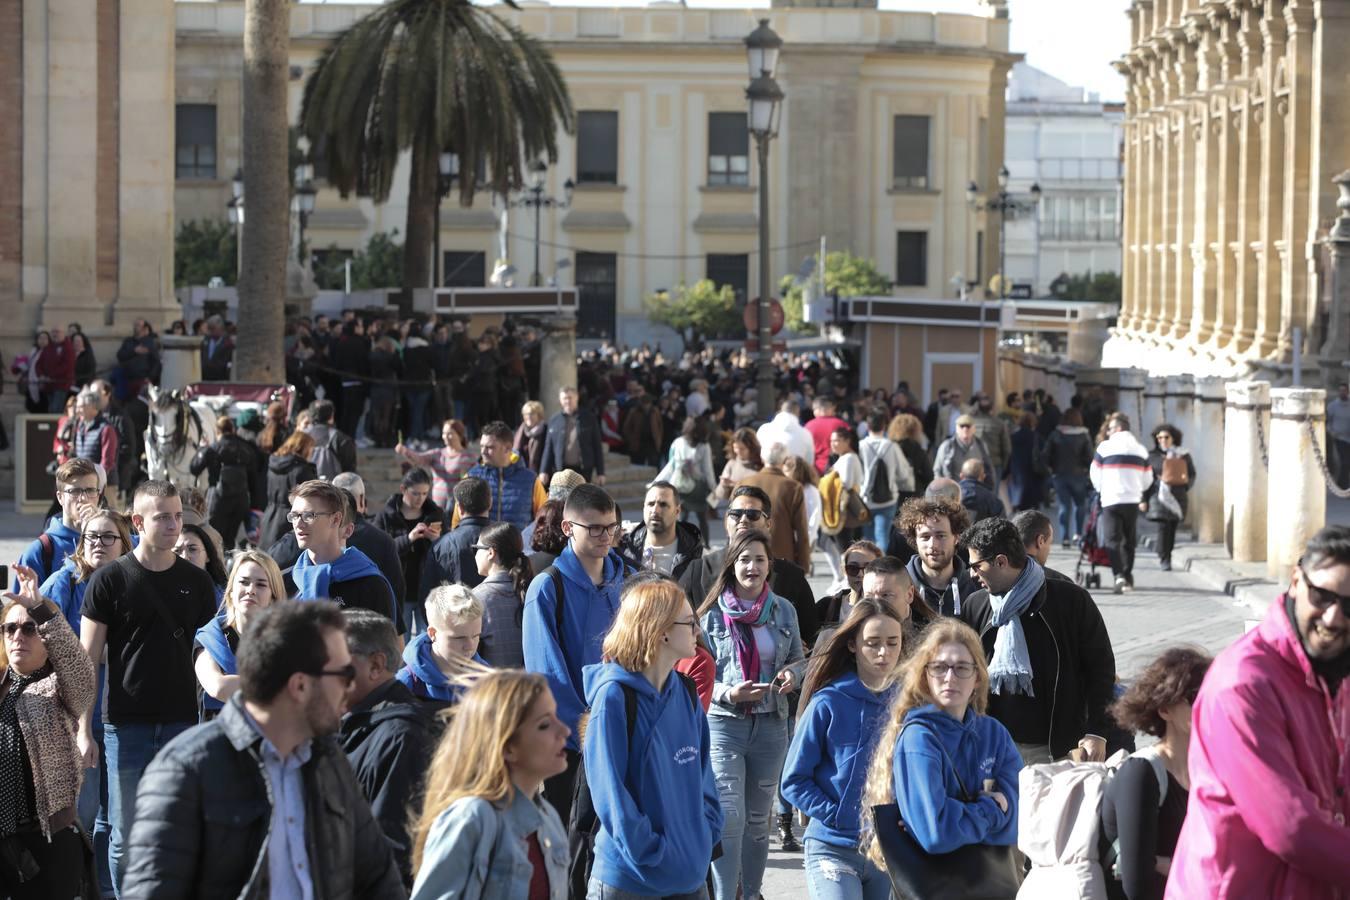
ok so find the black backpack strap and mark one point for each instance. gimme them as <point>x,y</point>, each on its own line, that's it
<point>692,688</point>
<point>48,553</point>
<point>558,598</point>
<point>178,631</point>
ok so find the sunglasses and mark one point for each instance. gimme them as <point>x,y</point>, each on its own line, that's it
<point>347,673</point>
<point>1321,598</point>
<point>753,515</point>
<point>28,628</point>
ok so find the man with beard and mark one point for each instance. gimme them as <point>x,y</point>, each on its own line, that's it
<point>200,829</point>
<point>662,542</point>
<point>943,581</point>
<point>1270,784</point>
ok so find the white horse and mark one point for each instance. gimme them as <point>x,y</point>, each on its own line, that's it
<point>177,429</point>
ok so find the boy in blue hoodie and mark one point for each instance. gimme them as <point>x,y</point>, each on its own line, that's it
<point>592,574</point>
<point>448,648</point>
<point>77,490</point>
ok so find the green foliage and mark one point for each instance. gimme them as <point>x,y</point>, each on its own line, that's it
<point>1104,287</point>
<point>697,313</point>
<point>379,265</point>
<point>849,275</point>
<point>203,250</point>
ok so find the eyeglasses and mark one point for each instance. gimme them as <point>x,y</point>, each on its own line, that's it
<point>597,532</point>
<point>976,563</point>
<point>939,670</point>
<point>752,515</point>
<point>854,568</point>
<point>307,517</point>
<point>106,538</point>
<point>476,547</point>
<point>28,628</point>
<point>80,493</point>
<point>347,673</point>
<point>692,623</point>
<point>1321,598</point>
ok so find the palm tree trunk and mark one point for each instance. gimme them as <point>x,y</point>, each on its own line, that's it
<point>262,284</point>
<point>422,188</point>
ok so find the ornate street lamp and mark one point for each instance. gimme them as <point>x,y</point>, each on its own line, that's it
<point>764,100</point>
<point>1007,206</point>
<point>535,198</point>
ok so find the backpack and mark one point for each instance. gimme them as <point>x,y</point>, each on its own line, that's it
<point>1059,825</point>
<point>877,484</point>
<point>48,553</point>
<point>583,824</point>
<point>325,458</point>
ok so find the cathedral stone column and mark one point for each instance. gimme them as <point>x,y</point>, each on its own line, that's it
<point>1205,134</point>
<point>1300,224</point>
<point>1270,263</point>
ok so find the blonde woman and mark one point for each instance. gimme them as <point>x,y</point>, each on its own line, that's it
<point>254,583</point>
<point>658,820</point>
<point>951,769</point>
<point>907,432</point>
<point>485,831</point>
<point>529,441</point>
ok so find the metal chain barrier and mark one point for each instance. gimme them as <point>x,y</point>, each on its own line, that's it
<point>1322,463</point>
<point>1261,441</point>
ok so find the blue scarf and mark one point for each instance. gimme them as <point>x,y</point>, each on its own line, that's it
<point>314,581</point>
<point>1010,669</point>
<point>211,638</point>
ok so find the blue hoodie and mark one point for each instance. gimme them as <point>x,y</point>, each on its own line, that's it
<point>64,539</point>
<point>62,589</point>
<point>655,795</point>
<point>588,613</point>
<point>423,677</point>
<point>926,788</point>
<point>827,763</point>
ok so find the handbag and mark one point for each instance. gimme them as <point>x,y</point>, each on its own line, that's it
<point>854,510</point>
<point>1175,472</point>
<point>972,872</point>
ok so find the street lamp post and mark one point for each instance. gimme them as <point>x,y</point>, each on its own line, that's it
<point>765,101</point>
<point>535,198</point>
<point>235,210</point>
<point>1007,206</point>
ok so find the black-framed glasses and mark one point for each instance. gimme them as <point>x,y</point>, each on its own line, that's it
<point>80,493</point>
<point>29,628</point>
<point>939,670</point>
<point>597,532</point>
<point>347,673</point>
<point>752,515</point>
<point>307,517</point>
<point>692,623</point>
<point>1321,598</point>
<point>106,538</point>
<point>854,568</point>
<point>476,547</point>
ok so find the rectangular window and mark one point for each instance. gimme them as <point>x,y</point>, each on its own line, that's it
<point>728,149</point>
<point>195,140</point>
<point>463,268</point>
<point>732,269</point>
<point>910,153</point>
<point>911,258</point>
<point>597,276</point>
<point>597,147</point>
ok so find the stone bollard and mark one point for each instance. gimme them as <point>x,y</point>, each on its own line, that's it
<point>1297,504</point>
<point>180,361</point>
<point>1205,435</point>
<point>1246,418</point>
<point>557,360</point>
<point>1129,397</point>
<point>1155,389</point>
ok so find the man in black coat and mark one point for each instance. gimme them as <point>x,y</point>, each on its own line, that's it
<point>206,825</point>
<point>662,541</point>
<point>573,441</point>
<point>387,732</point>
<point>1072,667</point>
<point>451,558</point>
<point>217,351</point>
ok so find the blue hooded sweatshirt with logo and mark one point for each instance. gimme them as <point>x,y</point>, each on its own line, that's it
<point>423,677</point>
<point>63,538</point>
<point>926,788</point>
<point>827,763</point>
<point>654,795</point>
<point>588,612</point>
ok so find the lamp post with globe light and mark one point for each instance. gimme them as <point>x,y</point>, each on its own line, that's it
<point>1007,206</point>
<point>765,101</point>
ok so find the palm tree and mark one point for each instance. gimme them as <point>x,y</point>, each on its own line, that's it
<point>267,192</point>
<point>432,76</point>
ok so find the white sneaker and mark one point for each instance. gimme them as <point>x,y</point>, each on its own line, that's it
<point>1122,585</point>
<point>364,443</point>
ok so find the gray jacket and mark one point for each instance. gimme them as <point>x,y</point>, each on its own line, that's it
<point>951,455</point>
<point>502,611</point>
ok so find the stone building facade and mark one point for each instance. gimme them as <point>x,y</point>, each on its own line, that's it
<point>1235,128</point>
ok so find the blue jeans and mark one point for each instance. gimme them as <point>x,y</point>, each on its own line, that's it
<point>598,890</point>
<point>417,413</point>
<point>130,747</point>
<point>747,761</point>
<point>1071,492</point>
<point>881,525</point>
<point>842,873</point>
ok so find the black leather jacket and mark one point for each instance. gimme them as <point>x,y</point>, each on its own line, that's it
<point>203,811</point>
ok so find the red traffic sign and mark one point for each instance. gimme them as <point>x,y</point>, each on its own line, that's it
<point>751,317</point>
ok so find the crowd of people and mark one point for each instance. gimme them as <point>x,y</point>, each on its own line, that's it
<point>492,685</point>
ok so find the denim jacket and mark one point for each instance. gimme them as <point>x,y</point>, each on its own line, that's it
<point>476,851</point>
<point>787,653</point>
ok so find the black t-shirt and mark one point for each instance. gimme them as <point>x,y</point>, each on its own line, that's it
<point>367,592</point>
<point>150,675</point>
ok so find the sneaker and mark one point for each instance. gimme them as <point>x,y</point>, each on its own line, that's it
<point>364,443</point>
<point>1165,565</point>
<point>1121,585</point>
<point>1066,543</point>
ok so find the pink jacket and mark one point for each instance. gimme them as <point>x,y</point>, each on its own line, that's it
<point>1269,776</point>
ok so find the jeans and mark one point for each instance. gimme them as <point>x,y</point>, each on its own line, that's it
<point>597,890</point>
<point>747,761</point>
<point>130,747</point>
<point>417,413</point>
<point>1167,539</point>
<point>881,525</point>
<point>1071,491</point>
<point>1119,536</point>
<point>842,873</point>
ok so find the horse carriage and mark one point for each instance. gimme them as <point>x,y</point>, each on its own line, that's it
<point>181,421</point>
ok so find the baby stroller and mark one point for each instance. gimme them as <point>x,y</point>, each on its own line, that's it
<point>1091,553</point>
